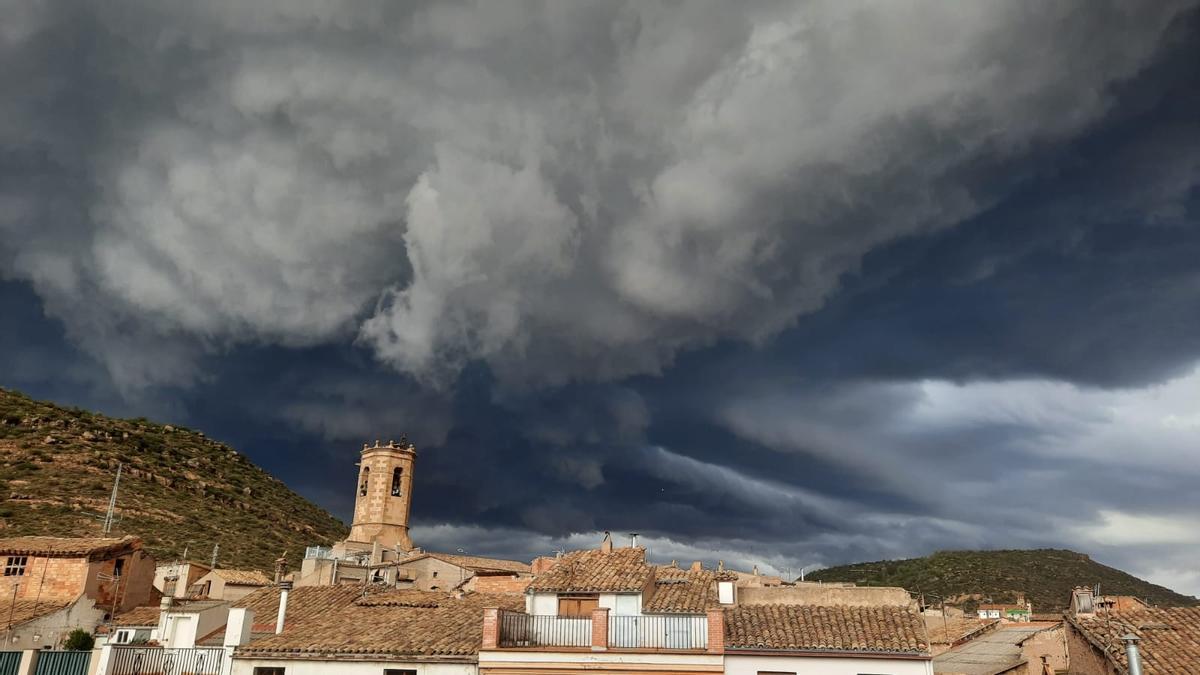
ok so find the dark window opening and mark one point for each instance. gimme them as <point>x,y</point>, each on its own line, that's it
<point>118,567</point>
<point>366,474</point>
<point>396,473</point>
<point>398,671</point>
<point>15,566</point>
<point>268,671</point>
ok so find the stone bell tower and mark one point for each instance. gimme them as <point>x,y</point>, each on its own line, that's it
<point>383,495</point>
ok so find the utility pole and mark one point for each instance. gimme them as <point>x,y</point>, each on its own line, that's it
<point>112,501</point>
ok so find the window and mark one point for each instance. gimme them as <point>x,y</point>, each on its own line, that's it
<point>396,474</point>
<point>435,574</point>
<point>577,605</point>
<point>725,592</point>
<point>362,490</point>
<point>269,671</point>
<point>118,567</point>
<point>15,566</point>
<point>776,672</point>
<point>398,671</point>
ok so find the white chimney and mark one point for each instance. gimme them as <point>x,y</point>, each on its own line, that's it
<point>237,626</point>
<point>284,587</point>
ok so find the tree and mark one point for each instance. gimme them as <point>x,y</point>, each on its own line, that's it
<point>79,640</point>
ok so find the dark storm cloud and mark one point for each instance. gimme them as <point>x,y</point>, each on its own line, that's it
<point>766,282</point>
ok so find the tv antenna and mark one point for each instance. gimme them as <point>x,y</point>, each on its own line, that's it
<point>112,501</point>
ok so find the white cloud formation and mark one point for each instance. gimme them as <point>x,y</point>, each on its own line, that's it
<point>562,190</point>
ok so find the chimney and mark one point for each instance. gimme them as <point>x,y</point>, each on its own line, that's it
<point>696,566</point>
<point>720,565</point>
<point>606,543</point>
<point>1131,653</point>
<point>754,571</point>
<point>280,569</point>
<point>284,588</point>
<point>237,626</point>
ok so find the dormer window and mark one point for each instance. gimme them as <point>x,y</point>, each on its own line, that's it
<point>396,475</point>
<point>366,474</point>
<point>725,592</point>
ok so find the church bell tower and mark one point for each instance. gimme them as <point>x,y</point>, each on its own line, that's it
<point>383,495</point>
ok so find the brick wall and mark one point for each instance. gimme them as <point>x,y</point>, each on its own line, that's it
<point>491,628</point>
<point>600,628</point>
<point>51,579</point>
<point>513,585</point>
<point>716,631</point>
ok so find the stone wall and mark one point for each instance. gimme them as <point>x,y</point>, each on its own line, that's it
<point>1050,642</point>
<point>1084,658</point>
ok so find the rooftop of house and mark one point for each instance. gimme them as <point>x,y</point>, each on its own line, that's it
<point>23,611</point>
<point>677,591</point>
<point>809,628</point>
<point>396,622</point>
<point>68,547</point>
<point>243,577</point>
<point>138,616</point>
<point>951,631</point>
<point>619,570</point>
<point>304,603</point>
<point>474,563</point>
<point>1170,637</point>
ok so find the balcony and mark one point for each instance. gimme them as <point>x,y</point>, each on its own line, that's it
<point>657,632</point>
<point>642,633</point>
<point>530,630</point>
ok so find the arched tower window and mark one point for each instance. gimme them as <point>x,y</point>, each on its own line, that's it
<point>362,490</point>
<point>396,474</point>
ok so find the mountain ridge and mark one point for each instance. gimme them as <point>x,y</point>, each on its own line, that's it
<point>1046,577</point>
<point>179,489</point>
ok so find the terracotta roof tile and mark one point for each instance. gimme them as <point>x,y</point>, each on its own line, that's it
<point>453,627</point>
<point>22,611</point>
<point>474,563</point>
<point>954,630</point>
<point>593,571</point>
<point>67,547</point>
<point>890,630</point>
<point>1170,636</point>
<point>677,591</point>
<point>303,603</point>
<point>243,577</point>
<point>138,616</point>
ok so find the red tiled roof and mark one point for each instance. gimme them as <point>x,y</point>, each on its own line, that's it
<point>67,547</point>
<point>677,591</point>
<point>1170,637</point>
<point>138,616</point>
<point>474,563</point>
<point>595,571</point>
<point>24,611</point>
<point>450,627</point>
<point>243,577</point>
<point>876,630</point>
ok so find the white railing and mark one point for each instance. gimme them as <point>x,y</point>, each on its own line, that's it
<point>658,632</point>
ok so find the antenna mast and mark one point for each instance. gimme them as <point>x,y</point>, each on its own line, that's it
<point>112,501</point>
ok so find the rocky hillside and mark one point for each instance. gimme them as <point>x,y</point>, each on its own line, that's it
<point>1046,576</point>
<point>178,488</point>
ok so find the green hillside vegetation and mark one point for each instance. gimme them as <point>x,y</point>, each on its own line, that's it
<point>178,488</point>
<point>966,578</point>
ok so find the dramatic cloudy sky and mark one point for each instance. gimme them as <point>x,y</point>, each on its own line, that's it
<point>779,283</point>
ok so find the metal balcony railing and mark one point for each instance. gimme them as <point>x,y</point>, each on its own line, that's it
<point>657,632</point>
<point>531,630</point>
